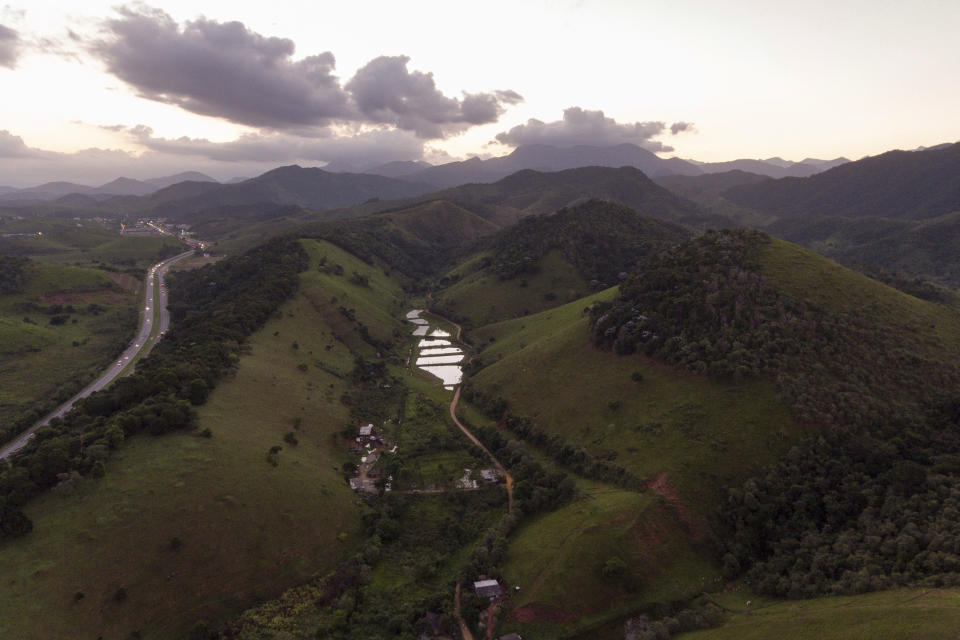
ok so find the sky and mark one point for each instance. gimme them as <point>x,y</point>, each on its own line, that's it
<point>95,90</point>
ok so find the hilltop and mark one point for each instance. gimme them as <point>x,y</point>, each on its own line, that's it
<point>545,260</point>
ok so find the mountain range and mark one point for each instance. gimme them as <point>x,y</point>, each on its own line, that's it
<point>544,158</point>
<point>118,187</point>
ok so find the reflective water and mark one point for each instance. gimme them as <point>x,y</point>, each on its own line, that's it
<point>434,353</point>
<point>451,374</point>
<point>426,342</point>
<point>451,359</point>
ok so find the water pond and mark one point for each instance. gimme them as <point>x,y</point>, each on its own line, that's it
<point>434,353</point>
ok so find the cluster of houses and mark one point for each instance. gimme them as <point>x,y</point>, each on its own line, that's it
<point>369,446</point>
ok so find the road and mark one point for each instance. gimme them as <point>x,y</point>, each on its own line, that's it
<point>154,312</point>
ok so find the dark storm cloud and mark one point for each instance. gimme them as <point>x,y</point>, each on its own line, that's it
<point>580,126</point>
<point>9,47</point>
<point>221,69</point>
<point>680,127</point>
<point>228,71</point>
<point>386,92</point>
<point>371,147</point>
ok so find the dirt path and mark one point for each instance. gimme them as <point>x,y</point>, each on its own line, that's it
<point>464,629</point>
<point>473,439</point>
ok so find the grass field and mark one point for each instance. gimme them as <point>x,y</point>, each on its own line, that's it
<point>249,530</point>
<point>900,614</point>
<point>700,433</point>
<point>803,273</point>
<point>38,359</point>
<point>557,561</point>
<point>483,298</point>
<point>85,242</point>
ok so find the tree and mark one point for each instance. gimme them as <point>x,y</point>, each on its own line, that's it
<point>614,569</point>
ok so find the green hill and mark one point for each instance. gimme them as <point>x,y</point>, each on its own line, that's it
<point>901,614</point>
<point>546,260</point>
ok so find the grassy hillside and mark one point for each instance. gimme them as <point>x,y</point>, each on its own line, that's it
<point>686,437</point>
<point>57,333</point>
<point>248,529</point>
<point>558,562</point>
<point>687,426</point>
<point>481,297</point>
<point>902,614</point>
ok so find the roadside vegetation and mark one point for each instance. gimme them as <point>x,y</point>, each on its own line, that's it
<point>59,327</point>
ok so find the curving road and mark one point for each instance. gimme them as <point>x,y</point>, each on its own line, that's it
<point>153,324</point>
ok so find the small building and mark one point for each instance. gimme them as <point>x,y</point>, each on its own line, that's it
<point>487,588</point>
<point>356,483</point>
<point>490,475</point>
<point>510,636</point>
<point>366,431</point>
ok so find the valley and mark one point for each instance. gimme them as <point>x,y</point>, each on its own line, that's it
<point>612,402</point>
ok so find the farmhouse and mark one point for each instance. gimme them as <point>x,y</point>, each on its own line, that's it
<point>487,588</point>
<point>490,475</point>
<point>366,431</point>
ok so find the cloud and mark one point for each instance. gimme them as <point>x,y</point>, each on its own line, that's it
<point>12,146</point>
<point>680,127</point>
<point>365,149</point>
<point>581,126</point>
<point>221,69</point>
<point>251,154</point>
<point>386,92</point>
<point>226,70</point>
<point>10,45</point>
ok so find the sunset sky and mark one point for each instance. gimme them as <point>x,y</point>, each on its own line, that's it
<point>95,90</point>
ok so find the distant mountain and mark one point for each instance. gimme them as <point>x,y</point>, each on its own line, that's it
<point>547,158</point>
<point>125,187</point>
<point>56,191</point>
<point>896,184</point>
<point>398,168</point>
<point>192,176</point>
<point>46,191</point>
<point>771,167</point>
<point>311,188</point>
<point>710,183</point>
<point>184,190</point>
<point>530,192</point>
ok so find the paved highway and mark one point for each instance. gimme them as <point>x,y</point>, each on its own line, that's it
<point>154,312</point>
